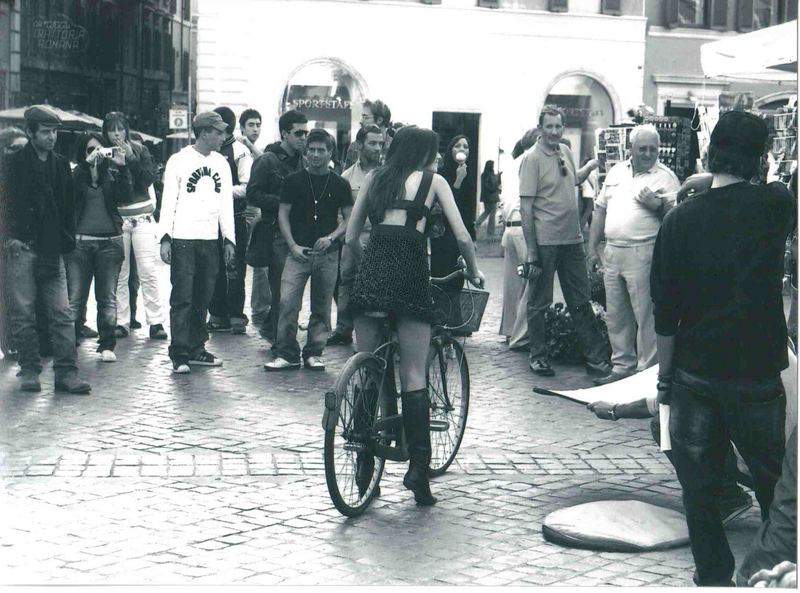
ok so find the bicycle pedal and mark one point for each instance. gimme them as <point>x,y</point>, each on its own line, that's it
<point>355,447</point>
<point>440,426</point>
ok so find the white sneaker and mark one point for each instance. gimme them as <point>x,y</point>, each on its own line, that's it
<point>108,356</point>
<point>315,363</point>
<point>281,364</point>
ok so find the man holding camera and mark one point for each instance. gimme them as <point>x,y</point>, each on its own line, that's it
<point>311,201</point>
<point>38,228</point>
<point>550,223</point>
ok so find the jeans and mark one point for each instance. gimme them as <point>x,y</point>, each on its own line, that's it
<point>193,273</point>
<point>260,296</point>
<point>629,308</point>
<point>322,269</point>
<point>347,273</point>
<point>139,237</point>
<point>706,414</point>
<point>570,263</point>
<point>280,250</point>
<point>46,277</point>
<point>490,212</point>
<point>101,258</point>
<point>228,299</point>
<point>514,320</point>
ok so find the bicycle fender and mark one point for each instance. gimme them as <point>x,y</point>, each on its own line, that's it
<point>331,414</point>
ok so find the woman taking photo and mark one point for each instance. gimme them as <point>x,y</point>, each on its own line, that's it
<point>138,228</point>
<point>445,249</point>
<point>100,181</point>
<point>394,278</point>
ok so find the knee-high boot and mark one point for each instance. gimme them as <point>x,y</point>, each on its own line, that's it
<point>417,424</point>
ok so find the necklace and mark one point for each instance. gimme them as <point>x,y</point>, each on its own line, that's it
<point>314,194</point>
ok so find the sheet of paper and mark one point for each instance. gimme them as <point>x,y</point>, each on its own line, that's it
<point>663,416</point>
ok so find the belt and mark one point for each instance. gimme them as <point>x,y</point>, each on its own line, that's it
<point>514,223</point>
<point>80,237</point>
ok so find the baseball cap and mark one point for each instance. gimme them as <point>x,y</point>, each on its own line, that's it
<point>41,114</point>
<point>209,119</point>
<point>741,132</point>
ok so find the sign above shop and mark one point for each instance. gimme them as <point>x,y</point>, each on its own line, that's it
<point>321,103</point>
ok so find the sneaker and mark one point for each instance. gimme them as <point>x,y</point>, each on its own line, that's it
<point>157,332</point>
<point>87,332</point>
<point>71,383</point>
<point>218,326</point>
<point>135,324</point>
<point>598,369</point>
<point>337,339</point>
<point>238,327</point>
<point>180,367</point>
<point>314,363</point>
<point>205,358</point>
<point>730,512</point>
<point>121,332</point>
<point>108,356</point>
<point>609,378</point>
<point>542,368</point>
<point>29,381</point>
<point>281,364</point>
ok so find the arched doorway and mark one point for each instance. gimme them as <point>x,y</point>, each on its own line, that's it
<point>587,105</point>
<point>330,93</point>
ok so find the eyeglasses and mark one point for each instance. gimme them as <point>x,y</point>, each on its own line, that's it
<point>300,133</point>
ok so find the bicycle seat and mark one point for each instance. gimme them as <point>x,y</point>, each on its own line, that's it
<point>376,314</point>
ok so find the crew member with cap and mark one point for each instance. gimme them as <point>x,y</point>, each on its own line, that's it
<point>716,287</point>
<point>197,206</point>
<point>37,226</point>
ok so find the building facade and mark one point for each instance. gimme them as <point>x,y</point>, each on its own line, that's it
<point>484,68</point>
<point>96,56</point>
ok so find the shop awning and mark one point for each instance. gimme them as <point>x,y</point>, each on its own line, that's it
<point>70,121</point>
<point>99,123</point>
<point>768,55</point>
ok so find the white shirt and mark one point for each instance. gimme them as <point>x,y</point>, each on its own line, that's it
<point>198,197</point>
<point>244,162</point>
<point>627,221</point>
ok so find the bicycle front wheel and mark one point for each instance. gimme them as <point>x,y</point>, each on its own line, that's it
<point>352,472</point>
<point>448,385</point>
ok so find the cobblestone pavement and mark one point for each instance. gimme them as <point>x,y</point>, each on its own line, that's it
<point>217,477</point>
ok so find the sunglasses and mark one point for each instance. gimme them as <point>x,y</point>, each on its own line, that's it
<point>114,114</point>
<point>300,133</point>
<point>563,165</point>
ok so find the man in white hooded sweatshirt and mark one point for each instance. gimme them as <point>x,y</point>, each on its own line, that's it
<point>197,205</point>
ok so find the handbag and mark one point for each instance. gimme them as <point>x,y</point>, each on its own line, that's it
<point>259,249</point>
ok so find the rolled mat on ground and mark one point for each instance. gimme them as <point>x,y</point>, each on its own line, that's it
<point>616,526</point>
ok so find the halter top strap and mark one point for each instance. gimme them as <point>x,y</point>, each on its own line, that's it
<point>416,208</point>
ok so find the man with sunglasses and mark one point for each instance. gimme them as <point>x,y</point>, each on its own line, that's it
<point>551,225</point>
<point>636,195</point>
<point>279,160</point>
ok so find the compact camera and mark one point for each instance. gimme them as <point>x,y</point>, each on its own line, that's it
<point>108,153</point>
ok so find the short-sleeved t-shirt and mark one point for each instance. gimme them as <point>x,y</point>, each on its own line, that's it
<point>555,201</point>
<point>314,211</point>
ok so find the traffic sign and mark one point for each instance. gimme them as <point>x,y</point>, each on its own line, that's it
<point>178,119</point>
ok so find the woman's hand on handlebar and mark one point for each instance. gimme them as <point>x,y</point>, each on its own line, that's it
<point>478,280</point>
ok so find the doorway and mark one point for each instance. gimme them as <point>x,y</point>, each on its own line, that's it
<point>449,124</point>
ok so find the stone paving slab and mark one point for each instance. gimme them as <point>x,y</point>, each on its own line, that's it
<point>217,478</point>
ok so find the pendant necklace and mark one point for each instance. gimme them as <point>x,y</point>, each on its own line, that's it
<point>314,194</point>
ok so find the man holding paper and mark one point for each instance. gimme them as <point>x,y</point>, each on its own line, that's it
<point>716,287</point>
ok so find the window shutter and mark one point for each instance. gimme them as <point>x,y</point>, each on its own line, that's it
<point>744,18</point>
<point>489,3</point>
<point>612,7</point>
<point>718,14</point>
<point>558,5</point>
<point>671,7</point>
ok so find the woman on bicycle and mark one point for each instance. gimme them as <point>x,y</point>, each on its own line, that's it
<point>394,277</point>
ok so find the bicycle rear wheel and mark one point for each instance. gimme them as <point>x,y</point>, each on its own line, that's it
<point>448,385</point>
<point>352,472</point>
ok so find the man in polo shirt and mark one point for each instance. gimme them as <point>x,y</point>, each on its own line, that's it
<point>311,201</point>
<point>37,227</point>
<point>551,225</point>
<point>635,197</point>
<point>369,141</point>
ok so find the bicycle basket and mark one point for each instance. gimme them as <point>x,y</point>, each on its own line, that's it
<point>459,309</point>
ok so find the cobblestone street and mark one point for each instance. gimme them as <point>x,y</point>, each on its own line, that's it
<point>217,477</point>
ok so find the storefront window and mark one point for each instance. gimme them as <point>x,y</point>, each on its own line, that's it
<point>587,106</point>
<point>691,13</point>
<point>330,95</point>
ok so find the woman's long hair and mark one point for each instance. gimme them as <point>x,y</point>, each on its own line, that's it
<point>488,169</point>
<point>412,149</point>
<point>112,120</point>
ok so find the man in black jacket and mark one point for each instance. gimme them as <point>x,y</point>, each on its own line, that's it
<point>263,191</point>
<point>38,227</point>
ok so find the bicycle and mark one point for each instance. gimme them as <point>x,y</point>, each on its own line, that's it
<point>361,418</point>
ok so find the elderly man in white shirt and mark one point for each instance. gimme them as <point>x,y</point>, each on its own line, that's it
<point>635,197</point>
